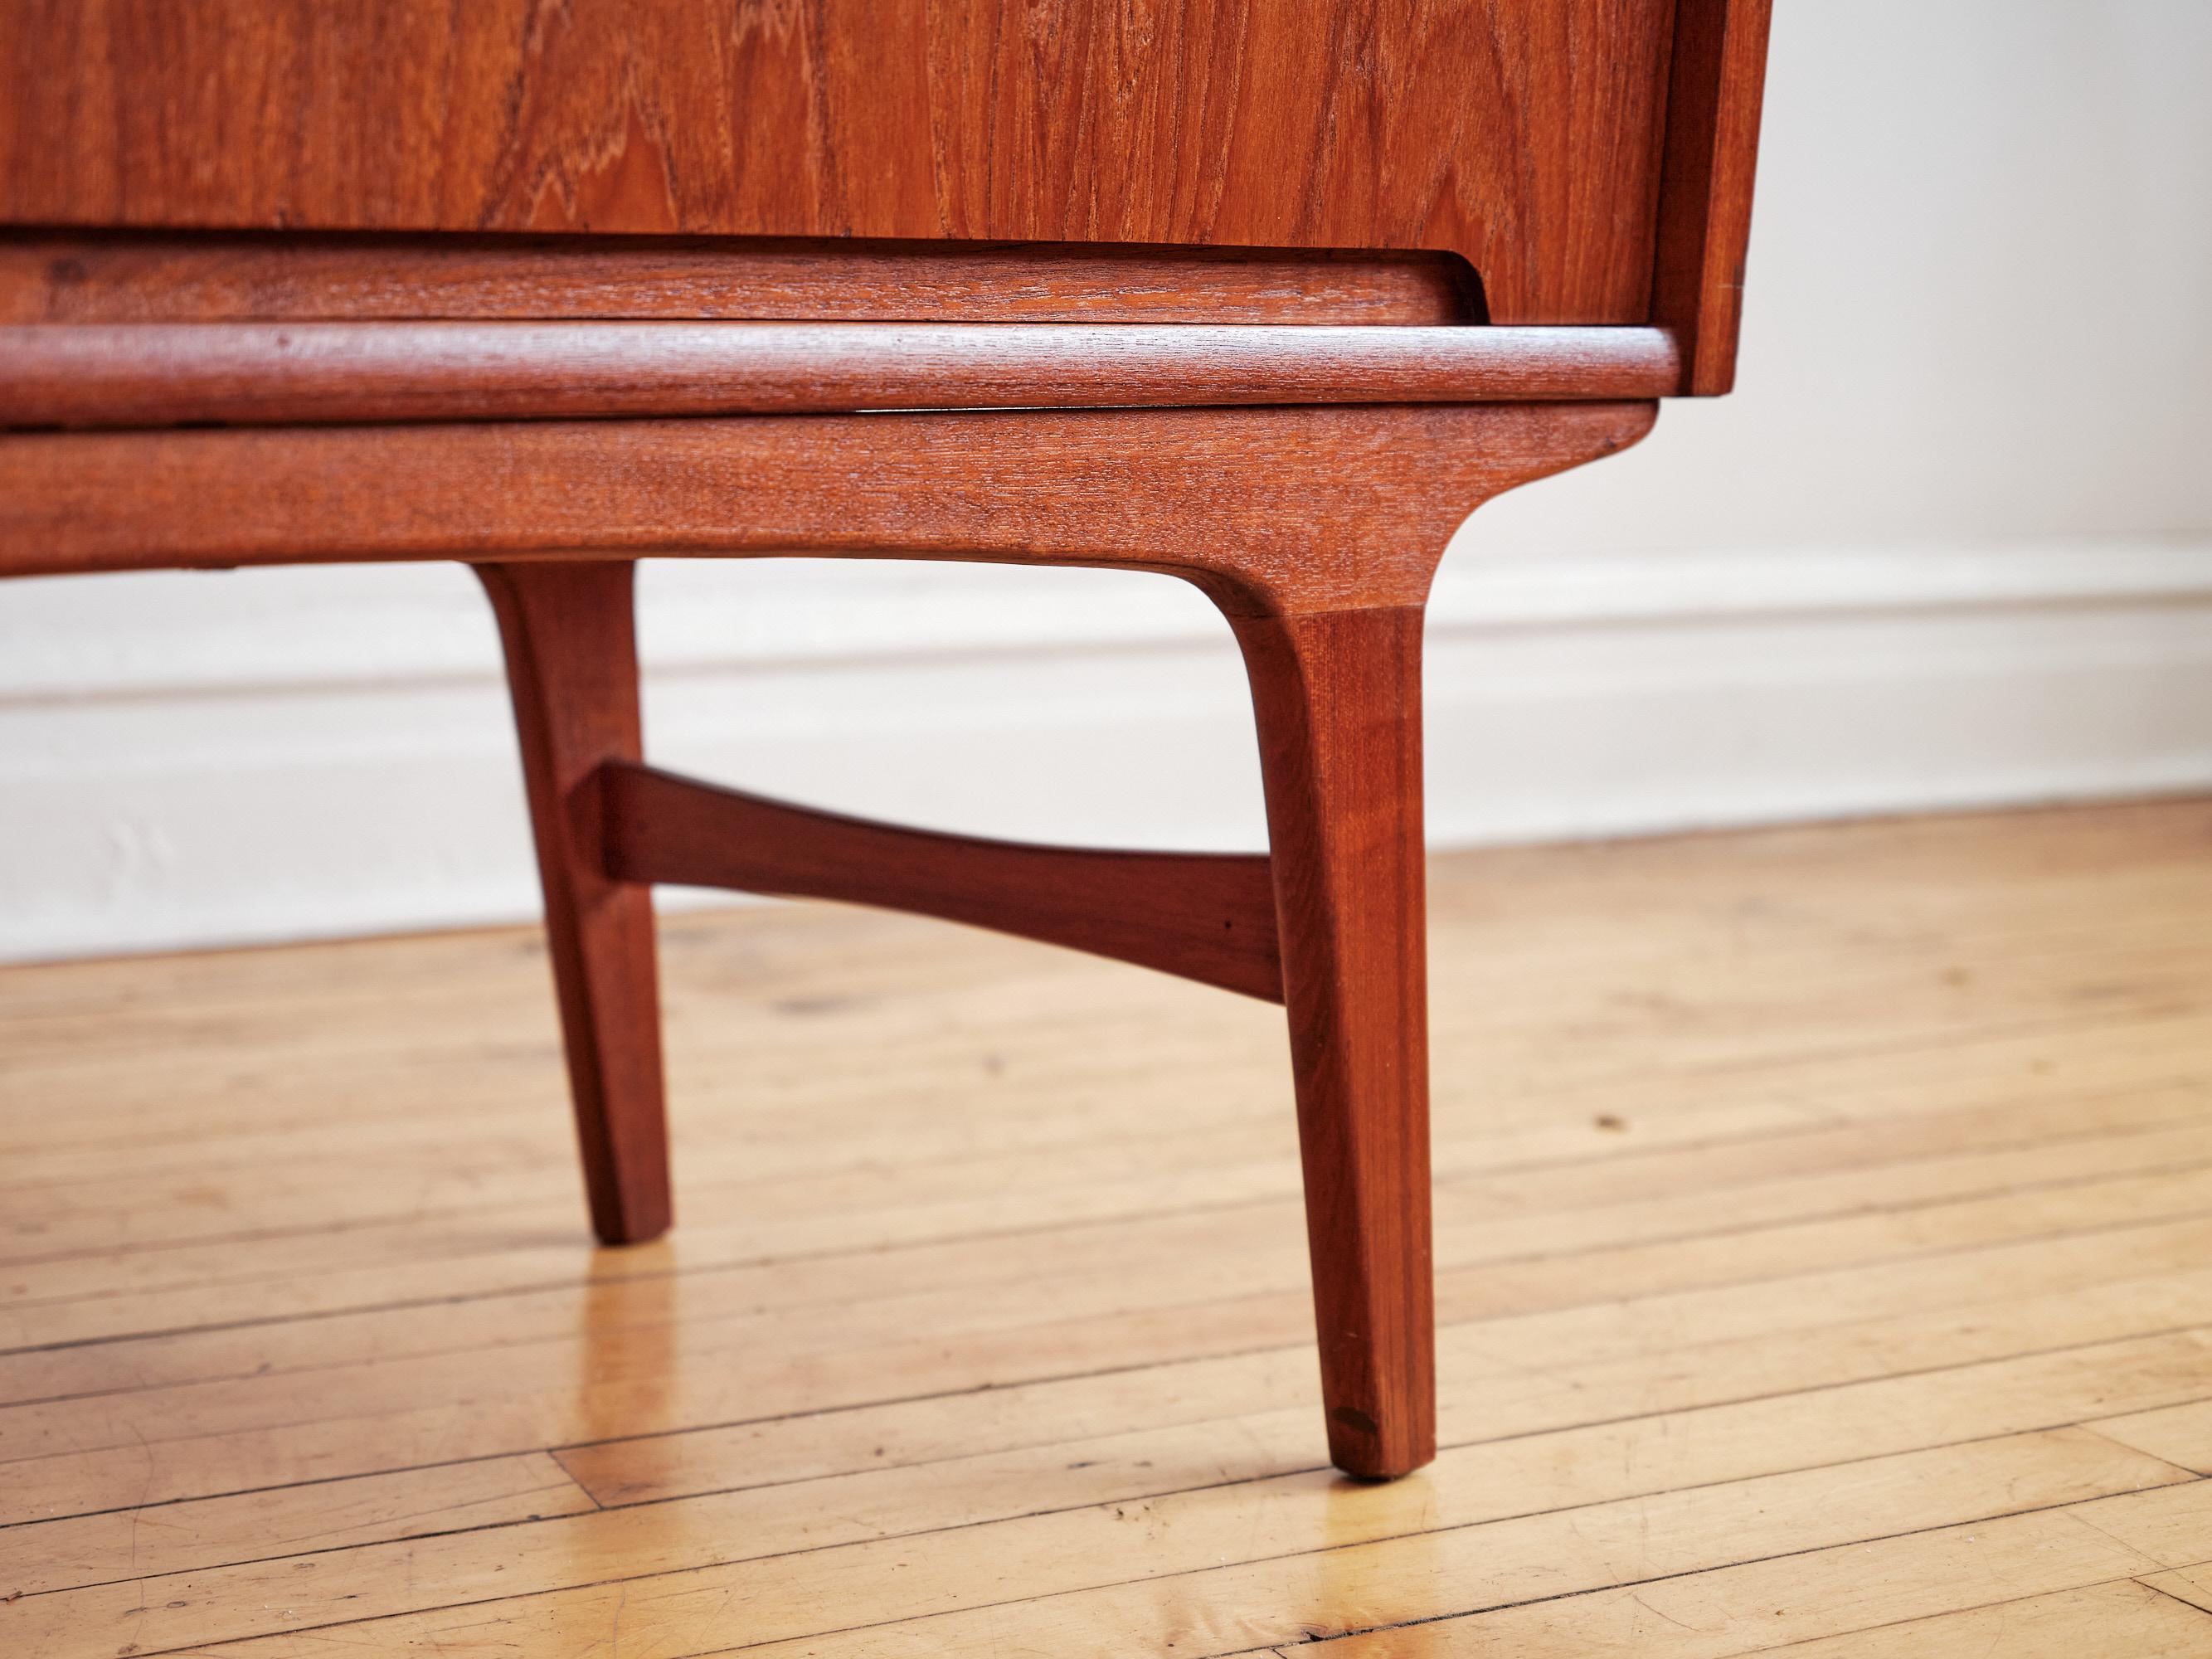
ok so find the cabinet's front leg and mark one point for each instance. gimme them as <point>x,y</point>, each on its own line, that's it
<point>572,665</point>
<point>1338,700</point>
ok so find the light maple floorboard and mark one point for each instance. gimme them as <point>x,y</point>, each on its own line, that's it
<point>1823,1249</point>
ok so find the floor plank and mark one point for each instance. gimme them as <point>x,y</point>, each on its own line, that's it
<point>148,1542</point>
<point>1180,1474</point>
<point>2178,1434</point>
<point>1908,1583</point>
<point>1305,1556</point>
<point>2122,1616</point>
<point>1821,1222</point>
<point>2192,1585</point>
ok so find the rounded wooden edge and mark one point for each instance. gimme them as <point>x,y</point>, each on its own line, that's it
<point>156,374</point>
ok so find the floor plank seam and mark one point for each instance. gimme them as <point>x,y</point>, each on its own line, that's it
<point>1921,1619</point>
<point>1633,1583</point>
<point>617,1580</point>
<point>1429,1618</point>
<point>1578,1426</point>
<point>2183,1601</point>
<point>1466,1172</point>
<point>953,1393</point>
<point>1847,1212</point>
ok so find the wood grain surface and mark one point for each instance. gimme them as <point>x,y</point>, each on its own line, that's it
<point>277,373</point>
<point>1718,82</point>
<point>126,277</point>
<point>1524,135</point>
<point>1514,147</point>
<point>1311,508</point>
<point>1806,1285</point>
<point>1316,530</point>
<point>1338,702</point>
<point>569,637</point>
<point>1206,916</point>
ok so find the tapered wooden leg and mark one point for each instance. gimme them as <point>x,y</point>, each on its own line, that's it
<point>572,665</point>
<point>1338,700</point>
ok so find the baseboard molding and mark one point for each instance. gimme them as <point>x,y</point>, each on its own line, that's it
<point>193,760</point>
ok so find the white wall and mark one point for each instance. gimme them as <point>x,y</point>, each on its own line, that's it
<point>1951,542</point>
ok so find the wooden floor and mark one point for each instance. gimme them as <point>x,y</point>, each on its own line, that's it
<point>1825,1249</point>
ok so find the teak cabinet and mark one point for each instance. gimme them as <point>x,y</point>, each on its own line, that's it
<point>1267,294</point>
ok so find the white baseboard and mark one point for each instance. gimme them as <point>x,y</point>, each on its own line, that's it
<point>190,760</point>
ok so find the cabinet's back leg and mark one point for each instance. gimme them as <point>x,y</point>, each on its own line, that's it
<point>572,665</point>
<point>1338,699</point>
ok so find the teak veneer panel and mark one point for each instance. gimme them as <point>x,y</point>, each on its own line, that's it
<point>1524,135</point>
